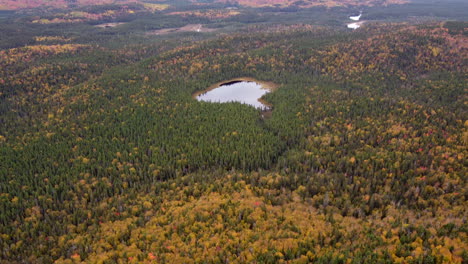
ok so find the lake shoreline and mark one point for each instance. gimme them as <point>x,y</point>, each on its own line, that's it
<point>265,85</point>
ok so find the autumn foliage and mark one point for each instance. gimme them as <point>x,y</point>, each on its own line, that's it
<point>105,157</point>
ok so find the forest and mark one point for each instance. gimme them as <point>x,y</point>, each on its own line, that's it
<point>106,157</point>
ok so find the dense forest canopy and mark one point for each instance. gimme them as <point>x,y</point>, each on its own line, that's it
<point>106,157</point>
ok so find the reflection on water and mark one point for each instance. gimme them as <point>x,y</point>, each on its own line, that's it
<point>236,91</point>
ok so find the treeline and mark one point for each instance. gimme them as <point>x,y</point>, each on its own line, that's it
<point>106,157</point>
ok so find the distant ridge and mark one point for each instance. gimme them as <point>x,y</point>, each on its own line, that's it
<point>311,3</point>
<point>22,4</point>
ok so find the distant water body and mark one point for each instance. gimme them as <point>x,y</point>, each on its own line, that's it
<point>355,25</point>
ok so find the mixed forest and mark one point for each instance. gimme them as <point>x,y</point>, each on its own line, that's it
<point>106,157</point>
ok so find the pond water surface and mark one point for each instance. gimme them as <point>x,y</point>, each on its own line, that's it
<point>246,92</point>
<point>354,25</point>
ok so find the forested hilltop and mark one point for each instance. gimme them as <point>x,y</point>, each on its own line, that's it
<point>106,157</point>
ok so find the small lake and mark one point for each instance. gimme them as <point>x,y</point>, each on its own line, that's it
<point>243,91</point>
<point>354,25</point>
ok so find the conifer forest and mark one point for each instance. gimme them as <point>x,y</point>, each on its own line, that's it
<point>107,156</point>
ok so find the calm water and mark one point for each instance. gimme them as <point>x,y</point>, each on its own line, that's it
<point>354,25</point>
<point>238,91</point>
